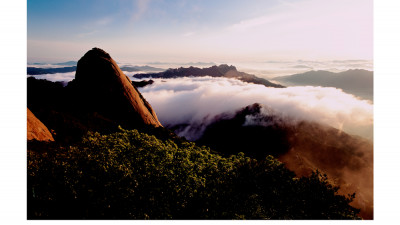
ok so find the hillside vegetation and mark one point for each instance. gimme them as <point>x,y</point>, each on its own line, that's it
<point>133,175</point>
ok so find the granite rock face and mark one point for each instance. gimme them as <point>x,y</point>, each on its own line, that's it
<point>36,130</point>
<point>100,99</point>
<point>103,88</point>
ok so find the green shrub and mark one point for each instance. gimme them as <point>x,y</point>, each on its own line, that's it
<point>132,175</point>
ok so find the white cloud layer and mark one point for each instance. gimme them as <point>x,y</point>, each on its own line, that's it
<point>64,77</point>
<point>198,100</point>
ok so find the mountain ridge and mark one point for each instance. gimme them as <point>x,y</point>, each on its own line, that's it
<point>222,70</point>
<point>53,70</point>
<point>358,82</point>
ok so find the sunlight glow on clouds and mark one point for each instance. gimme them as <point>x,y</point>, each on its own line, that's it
<point>199,100</point>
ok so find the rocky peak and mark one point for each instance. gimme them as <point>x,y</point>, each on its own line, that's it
<point>103,88</point>
<point>224,68</point>
<point>97,52</point>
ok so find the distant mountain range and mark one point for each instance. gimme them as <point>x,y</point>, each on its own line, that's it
<point>357,82</point>
<point>39,71</point>
<point>53,70</point>
<point>213,71</point>
<point>69,63</point>
<point>140,68</point>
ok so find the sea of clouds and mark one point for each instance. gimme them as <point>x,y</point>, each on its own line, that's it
<point>197,100</point>
<point>62,77</point>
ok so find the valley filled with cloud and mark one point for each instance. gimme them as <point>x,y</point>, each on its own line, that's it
<point>198,100</point>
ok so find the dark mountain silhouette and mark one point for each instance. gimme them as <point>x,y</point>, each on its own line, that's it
<point>51,70</point>
<point>69,63</point>
<point>140,68</point>
<point>39,71</point>
<point>357,82</point>
<point>303,146</point>
<point>213,71</point>
<point>36,130</point>
<point>100,98</point>
<point>142,83</point>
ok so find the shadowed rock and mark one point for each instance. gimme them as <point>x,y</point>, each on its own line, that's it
<point>102,87</point>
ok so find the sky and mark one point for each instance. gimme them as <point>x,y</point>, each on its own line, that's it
<point>200,30</point>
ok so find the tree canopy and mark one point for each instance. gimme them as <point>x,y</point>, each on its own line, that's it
<point>133,175</point>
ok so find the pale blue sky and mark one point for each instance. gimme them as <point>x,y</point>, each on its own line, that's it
<point>182,30</point>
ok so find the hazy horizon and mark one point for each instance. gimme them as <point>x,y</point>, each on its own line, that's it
<point>265,69</point>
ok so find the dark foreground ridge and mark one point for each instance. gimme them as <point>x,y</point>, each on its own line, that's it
<point>213,71</point>
<point>302,145</point>
<point>132,175</point>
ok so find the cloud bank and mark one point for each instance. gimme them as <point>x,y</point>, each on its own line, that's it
<point>63,77</point>
<point>198,100</point>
